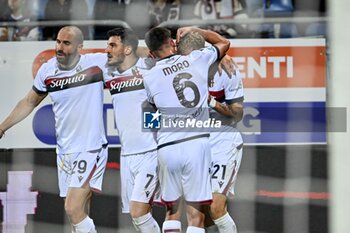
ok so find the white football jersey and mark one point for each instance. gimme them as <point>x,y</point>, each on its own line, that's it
<point>178,86</point>
<point>226,90</point>
<point>77,102</point>
<point>129,97</point>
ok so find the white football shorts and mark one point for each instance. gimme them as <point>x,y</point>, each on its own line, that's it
<point>184,170</point>
<point>224,169</point>
<point>80,169</point>
<point>139,178</point>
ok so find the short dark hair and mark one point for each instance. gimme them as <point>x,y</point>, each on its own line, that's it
<point>126,35</point>
<point>156,37</point>
<point>189,42</point>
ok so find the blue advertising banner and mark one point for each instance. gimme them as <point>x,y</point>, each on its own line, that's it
<point>262,123</point>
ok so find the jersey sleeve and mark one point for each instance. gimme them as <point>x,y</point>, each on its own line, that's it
<point>205,56</point>
<point>233,88</point>
<point>39,80</point>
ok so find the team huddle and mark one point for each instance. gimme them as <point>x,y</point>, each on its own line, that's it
<point>194,169</point>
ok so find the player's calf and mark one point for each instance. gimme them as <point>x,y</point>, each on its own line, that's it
<point>218,207</point>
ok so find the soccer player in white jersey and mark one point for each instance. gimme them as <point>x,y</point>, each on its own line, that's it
<point>180,83</point>
<point>75,84</point>
<point>226,102</point>
<point>139,179</point>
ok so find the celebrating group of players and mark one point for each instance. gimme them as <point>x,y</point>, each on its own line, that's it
<point>194,166</point>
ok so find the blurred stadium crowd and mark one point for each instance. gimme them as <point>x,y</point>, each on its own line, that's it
<point>222,16</point>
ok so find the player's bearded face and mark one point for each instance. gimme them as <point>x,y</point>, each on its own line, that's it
<point>115,51</point>
<point>67,48</point>
<point>115,58</point>
<point>65,57</point>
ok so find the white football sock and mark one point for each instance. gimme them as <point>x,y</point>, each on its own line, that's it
<point>146,224</point>
<point>226,224</point>
<point>212,229</point>
<point>85,226</point>
<point>192,229</point>
<point>171,226</point>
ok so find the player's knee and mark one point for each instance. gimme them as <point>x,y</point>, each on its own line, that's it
<point>138,209</point>
<point>69,209</point>
<point>196,215</point>
<point>72,210</point>
<point>196,220</point>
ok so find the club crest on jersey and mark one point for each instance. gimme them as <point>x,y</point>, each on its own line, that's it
<point>78,69</point>
<point>135,72</point>
<point>151,120</point>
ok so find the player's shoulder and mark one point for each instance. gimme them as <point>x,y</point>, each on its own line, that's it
<point>95,56</point>
<point>209,48</point>
<point>206,51</point>
<point>234,77</point>
<point>50,64</point>
<point>151,75</point>
<point>145,63</point>
<point>162,64</point>
<point>148,74</point>
<point>95,59</point>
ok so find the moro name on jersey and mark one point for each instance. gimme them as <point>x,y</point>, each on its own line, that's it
<point>176,67</point>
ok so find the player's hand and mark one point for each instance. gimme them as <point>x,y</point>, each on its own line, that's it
<point>228,65</point>
<point>211,101</point>
<point>181,32</point>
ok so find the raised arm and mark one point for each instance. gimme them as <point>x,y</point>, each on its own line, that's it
<point>211,37</point>
<point>233,111</point>
<point>23,108</point>
<point>234,97</point>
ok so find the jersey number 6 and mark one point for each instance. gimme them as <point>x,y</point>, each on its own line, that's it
<point>180,88</point>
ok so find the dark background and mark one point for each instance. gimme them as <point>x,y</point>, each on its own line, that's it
<point>280,170</point>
